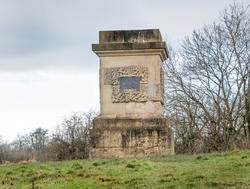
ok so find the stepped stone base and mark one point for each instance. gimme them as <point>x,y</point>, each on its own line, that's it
<point>130,137</point>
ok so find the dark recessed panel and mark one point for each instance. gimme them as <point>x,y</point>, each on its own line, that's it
<point>129,83</point>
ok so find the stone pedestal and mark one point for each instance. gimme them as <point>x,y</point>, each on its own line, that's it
<point>131,121</point>
<point>126,137</point>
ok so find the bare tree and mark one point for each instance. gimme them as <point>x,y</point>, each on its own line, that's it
<point>5,154</point>
<point>39,140</point>
<point>1,151</point>
<point>30,146</point>
<point>208,84</point>
<point>21,149</point>
<point>70,139</point>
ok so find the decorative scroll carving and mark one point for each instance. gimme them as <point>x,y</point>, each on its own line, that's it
<point>112,75</point>
<point>130,95</point>
<point>108,77</point>
<point>143,88</point>
<point>162,91</point>
<point>162,76</point>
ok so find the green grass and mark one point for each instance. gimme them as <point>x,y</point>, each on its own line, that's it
<point>215,170</point>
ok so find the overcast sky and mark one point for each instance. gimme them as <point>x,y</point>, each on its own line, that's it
<point>47,67</point>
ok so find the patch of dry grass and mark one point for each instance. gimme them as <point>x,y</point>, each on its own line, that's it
<point>215,170</point>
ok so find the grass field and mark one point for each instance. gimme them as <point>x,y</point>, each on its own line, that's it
<point>215,170</point>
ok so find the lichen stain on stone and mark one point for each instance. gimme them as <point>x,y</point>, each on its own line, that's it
<point>130,36</point>
<point>139,135</point>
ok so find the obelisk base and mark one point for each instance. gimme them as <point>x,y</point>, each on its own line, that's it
<point>130,137</point>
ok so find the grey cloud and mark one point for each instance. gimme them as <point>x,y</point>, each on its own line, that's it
<point>29,30</point>
<point>43,34</point>
<point>29,39</point>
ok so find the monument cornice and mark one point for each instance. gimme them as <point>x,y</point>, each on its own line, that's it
<point>128,49</point>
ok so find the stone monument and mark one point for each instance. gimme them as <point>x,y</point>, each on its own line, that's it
<point>131,121</point>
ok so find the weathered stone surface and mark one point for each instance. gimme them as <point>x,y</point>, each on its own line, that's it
<point>130,36</point>
<point>131,121</point>
<point>131,42</point>
<point>128,46</point>
<point>130,137</point>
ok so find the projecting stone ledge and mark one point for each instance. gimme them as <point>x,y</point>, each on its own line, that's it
<point>128,46</point>
<point>137,41</point>
<point>130,36</point>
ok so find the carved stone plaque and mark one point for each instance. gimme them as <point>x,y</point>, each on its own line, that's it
<point>162,84</point>
<point>129,83</point>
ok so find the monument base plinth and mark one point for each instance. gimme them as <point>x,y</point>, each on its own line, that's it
<point>130,137</point>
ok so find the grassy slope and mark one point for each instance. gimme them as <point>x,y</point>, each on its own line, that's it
<point>225,170</point>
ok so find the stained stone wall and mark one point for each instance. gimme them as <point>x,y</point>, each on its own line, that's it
<point>124,137</point>
<point>131,121</point>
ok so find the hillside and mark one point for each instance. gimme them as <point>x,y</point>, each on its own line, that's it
<point>215,170</point>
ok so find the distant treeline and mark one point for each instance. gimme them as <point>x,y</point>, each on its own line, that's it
<point>69,140</point>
